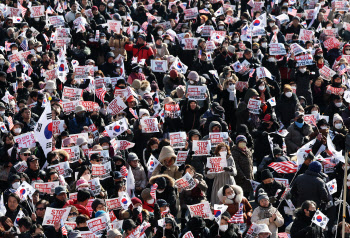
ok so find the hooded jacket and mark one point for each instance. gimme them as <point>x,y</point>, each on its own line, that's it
<point>173,170</point>
<point>191,118</point>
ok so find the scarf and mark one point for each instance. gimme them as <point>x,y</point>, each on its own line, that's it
<point>232,96</point>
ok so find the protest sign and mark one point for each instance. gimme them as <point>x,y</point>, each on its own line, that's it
<point>90,106</point>
<point>37,11</point>
<point>56,21</point>
<point>277,49</point>
<point>26,140</point>
<point>303,60</point>
<point>62,169</point>
<point>283,18</point>
<point>112,203</point>
<point>331,32</point>
<point>191,13</point>
<point>296,49</point>
<point>217,138</point>
<point>50,74</point>
<point>263,72</point>
<point>57,126</point>
<point>178,139</point>
<point>101,170</point>
<point>258,31</point>
<point>331,43</point>
<point>207,29</point>
<point>71,94</point>
<point>116,106</point>
<point>196,92</point>
<point>121,144</point>
<point>73,225</point>
<point>306,35</point>
<point>190,43</point>
<point>95,186</point>
<point>69,107</point>
<point>126,93</point>
<point>201,209</point>
<point>216,164</point>
<point>254,106</point>
<point>149,125</point>
<point>54,215</point>
<point>97,225</point>
<point>240,85</point>
<point>310,119</point>
<point>201,147</point>
<point>327,73</point>
<point>333,90</point>
<point>285,182</point>
<point>159,66</point>
<point>186,182</point>
<point>21,166</point>
<point>48,187</point>
<point>83,72</point>
<point>88,234</point>
<point>181,157</point>
<point>74,153</point>
<point>114,26</point>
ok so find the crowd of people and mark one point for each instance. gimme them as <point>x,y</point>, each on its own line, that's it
<point>169,119</point>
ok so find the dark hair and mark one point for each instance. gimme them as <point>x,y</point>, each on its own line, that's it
<point>83,195</point>
<point>33,93</point>
<point>307,204</point>
<point>50,156</point>
<point>162,143</point>
<point>15,196</point>
<point>42,201</point>
<point>26,222</point>
<point>81,219</point>
<point>151,142</point>
<point>82,170</point>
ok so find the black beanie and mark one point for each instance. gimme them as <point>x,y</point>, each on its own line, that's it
<point>266,174</point>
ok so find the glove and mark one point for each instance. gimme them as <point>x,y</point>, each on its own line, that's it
<point>182,167</point>
<point>42,174</point>
<point>206,169</point>
<point>70,171</point>
<point>15,146</point>
<point>227,169</point>
<point>162,169</point>
<point>272,200</point>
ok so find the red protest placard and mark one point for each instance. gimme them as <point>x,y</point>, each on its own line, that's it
<point>333,90</point>
<point>331,43</point>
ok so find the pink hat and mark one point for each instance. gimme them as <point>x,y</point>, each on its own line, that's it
<point>67,142</point>
<point>81,182</point>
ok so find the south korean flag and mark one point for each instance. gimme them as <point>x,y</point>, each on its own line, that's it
<point>43,130</point>
<point>332,186</point>
<point>320,219</point>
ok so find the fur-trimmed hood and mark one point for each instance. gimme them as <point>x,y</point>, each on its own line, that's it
<point>63,153</point>
<point>238,198</point>
<point>170,181</point>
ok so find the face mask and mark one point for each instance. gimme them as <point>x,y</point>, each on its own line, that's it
<point>90,141</point>
<point>39,49</point>
<point>16,185</point>
<point>92,39</point>
<point>221,27</point>
<point>338,104</point>
<point>160,33</point>
<point>299,124</point>
<point>288,94</point>
<point>329,27</point>
<point>264,45</point>
<point>236,39</point>
<point>87,177</point>
<point>160,191</point>
<point>139,209</point>
<point>338,125</point>
<point>324,127</point>
<point>312,213</point>
<point>322,3</point>
<point>242,145</point>
<point>302,70</point>
<point>166,41</point>
<point>2,62</point>
<point>17,130</point>
<point>223,228</point>
<point>314,113</point>
<point>284,12</point>
<point>106,147</point>
<point>275,31</point>
<point>110,4</point>
<point>231,87</point>
<point>272,60</point>
<point>72,219</point>
<point>191,82</point>
<point>271,24</point>
<point>261,88</point>
<point>256,39</point>
<point>120,194</point>
<point>103,41</point>
<point>84,147</point>
<point>2,113</point>
<point>151,201</point>
<point>231,196</point>
<point>14,51</point>
<point>36,18</point>
<point>207,5</point>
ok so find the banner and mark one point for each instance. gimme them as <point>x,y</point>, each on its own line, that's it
<point>116,106</point>
<point>121,144</point>
<point>159,66</point>
<point>26,140</point>
<point>83,72</point>
<point>97,225</point>
<point>69,107</point>
<point>90,106</point>
<point>306,35</point>
<point>200,209</point>
<point>21,166</point>
<point>217,138</point>
<point>333,90</point>
<point>88,234</point>
<point>191,13</point>
<point>74,153</point>
<point>113,203</point>
<point>149,125</point>
<point>95,186</point>
<point>303,60</point>
<point>327,73</point>
<point>178,139</point>
<point>201,147</point>
<point>181,157</point>
<point>216,164</point>
<point>101,170</point>
<point>196,92</point>
<point>186,182</point>
<point>190,43</point>
<point>277,49</point>
<point>126,93</point>
<point>296,49</point>
<point>254,106</point>
<point>62,169</point>
<point>240,85</point>
<point>331,43</point>
<point>72,94</point>
<point>53,215</point>
<point>37,11</point>
<point>48,187</point>
<point>57,21</point>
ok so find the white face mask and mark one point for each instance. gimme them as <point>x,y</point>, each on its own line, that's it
<point>264,45</point>
<point>302,70</point>
<point>223,228</point>
<point>207,5</point>
<point>72,219</point>
<point>314,113</point>
<point>103,41</point>
<point>84,147</point>
<point>272,60</point>
<point>160,191</point>
<point>322,3</point>
<point>139,209</point>
<point>2,62</point>
<point>110,4</point>
<point>36,18</point>
<point>120,194</point>
<point>191,82</point>
<point>256,39</point>
<point>338,125</point>
<point>151,201</point>
<point>106,147</point>
<point>285,4</point>
<point>14,51</point>
<point>338,104</point>
<point>329,27</point>
<point>39,49</point>
<point>17,130</point>
<point>232,87</point>
<point>324,127</point>
<point>236,39</point>
<point>261,88</point>
<point>271,24</point>
<point>275,31</point>
<point>160,33</point>
<point>87,177</point>
<point>284,12</point>
<point>288,94</point>
<point>166,41</point>
<point>221,27</point>
<point>90,141</point>
<point>91,39</point>
<point>231,196</point>
<point>2,113</point>
<point>16,185</point>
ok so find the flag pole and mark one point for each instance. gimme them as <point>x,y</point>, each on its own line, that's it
<point>347,145</point>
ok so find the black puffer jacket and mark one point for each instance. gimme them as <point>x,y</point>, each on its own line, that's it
<point>285,108</point>
<point>304,228</point>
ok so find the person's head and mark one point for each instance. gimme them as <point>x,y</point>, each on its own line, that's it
<point>222,147</point>
<point>60,193</point>
<point>26,113</point>
<point>24,154</point>
<point>309,208</point>
<point>241,142</point>
<point>73,213</point>
<point>40,208</point>
<point>82,183</point>
<point>96,158</point>
<point>33,162</point>
<point>264,231</point>
<point>83,197</point>
<point>167,155</point>
<point>81,221</point>
<point>248,54</point>
<point>52,175</point>
<point>24,224</point>
<point>141,39</point>
<point>133,160</point>
<point>13,201</point>
<point>163,205</point>
<point>194,135</point>
<point>266,176</point>
<point>263,198</point>
<point>229,192</point>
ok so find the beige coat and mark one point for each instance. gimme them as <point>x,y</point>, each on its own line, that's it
<point>262,215</point>
<point>118,45</point>
<point>160,52</point>
<point>173,170</point>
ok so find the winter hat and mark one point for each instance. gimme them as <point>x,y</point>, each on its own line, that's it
<point>266,174</point>
<point>162,203</point>
<point>67,141</point>
<point>262,195</point>
<point>50,85</point>
<point>80,108</point>
<point>132,156</point>
<point>146,194</point>
<point>74,234</point>
<point>97,202</point>
<point>113,233</point>
<point>264,229</point>
<point>168,100</point>
<point>231,49</point>
<point>166,152</point>
<point>315,166</point>
<point>143,111</point>
<point>218,110</point>
<point>128,224</point>
<point>135,201</point>
<point>194,132</point>
<point>180,91</point>
<point>136,84</point>
<point>161,182</point>
<point>277,150</point>
<point>196,223</point>
<point>193,75</point>
<point>173,73</point>
<point>241,138</point>
<point>81,140</point>
<point>337,117</point>
<point>99,213</point>
<point>81,182</point>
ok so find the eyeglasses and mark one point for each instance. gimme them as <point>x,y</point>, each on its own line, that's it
<point>73,214</point>
<point>97,160</point>
<point>26,154</point>
<point>40,208</point>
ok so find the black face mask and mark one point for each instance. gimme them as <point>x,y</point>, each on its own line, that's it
<point>312,213</point>
<point>80,115</point>
<point>83,228</point>
<point>300,120</point>
<point>94,117</point>
<point>55,162</point>
<point>255,50</point>
<point>123,87</point>
<point>29,36</point>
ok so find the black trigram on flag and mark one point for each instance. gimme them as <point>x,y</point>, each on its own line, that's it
<point>49,116</point>
<point>38,129</point>
<point>48,145</point>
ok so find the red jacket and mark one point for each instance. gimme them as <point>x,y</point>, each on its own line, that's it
<point>81,208</point>
<point>140,51</point>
